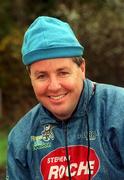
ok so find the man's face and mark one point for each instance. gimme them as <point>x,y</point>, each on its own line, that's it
<point>57,84</point>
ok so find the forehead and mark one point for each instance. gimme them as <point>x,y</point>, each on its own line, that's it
<point>52,64</point>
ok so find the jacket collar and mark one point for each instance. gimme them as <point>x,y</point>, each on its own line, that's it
<point>85,98</point>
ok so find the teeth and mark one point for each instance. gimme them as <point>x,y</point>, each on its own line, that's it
<point>57,97</point>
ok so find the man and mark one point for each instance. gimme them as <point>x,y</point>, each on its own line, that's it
<point>76,131</point>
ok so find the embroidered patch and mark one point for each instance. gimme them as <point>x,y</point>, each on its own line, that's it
<point>43,140</point>
<point>92,135</point>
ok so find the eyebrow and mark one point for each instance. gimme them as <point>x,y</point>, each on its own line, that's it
<point>39,72</point>
<point>43,72</point>
<point>62,68</point>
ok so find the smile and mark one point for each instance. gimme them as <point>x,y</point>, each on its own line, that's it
<point>57,97</point>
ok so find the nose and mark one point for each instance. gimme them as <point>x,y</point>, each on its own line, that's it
<point>54,84</point>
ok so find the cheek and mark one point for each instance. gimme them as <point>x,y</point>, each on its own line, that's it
<point>38,89</point>
<point>76,81</point>
<point>74,84</point>
<point>68,84</point>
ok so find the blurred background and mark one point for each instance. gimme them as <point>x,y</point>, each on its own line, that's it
<point>99,26</point>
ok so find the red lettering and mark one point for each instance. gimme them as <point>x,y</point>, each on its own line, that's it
<point>54,165</point>
<point>53,172</point>
<point>76,170</point>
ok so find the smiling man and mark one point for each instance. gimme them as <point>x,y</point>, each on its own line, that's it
<point>76,130</point>
<point>58,85</point>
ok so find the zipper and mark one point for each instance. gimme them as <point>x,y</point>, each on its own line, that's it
<point>64,126</point>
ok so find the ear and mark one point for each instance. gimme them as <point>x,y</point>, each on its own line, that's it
<point>82,66</point>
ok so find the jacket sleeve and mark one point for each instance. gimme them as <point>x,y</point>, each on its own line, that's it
<point>17,167</point>
<point>114,131</point>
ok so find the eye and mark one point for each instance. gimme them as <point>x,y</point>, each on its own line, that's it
<point>42,77</point>
<point>64,73</point>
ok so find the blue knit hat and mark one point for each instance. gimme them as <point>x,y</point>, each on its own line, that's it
<point>48,38</point>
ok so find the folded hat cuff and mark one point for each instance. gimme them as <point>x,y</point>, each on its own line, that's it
<point>58,52</point>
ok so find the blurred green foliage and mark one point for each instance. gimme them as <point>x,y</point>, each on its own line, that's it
<point>3,154</point>
<point>97,23</point>
<point>3,148</point>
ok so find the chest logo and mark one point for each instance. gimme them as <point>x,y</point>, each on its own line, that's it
<point>44,139</point>
<point>47,133</point>
<point>54,165</point>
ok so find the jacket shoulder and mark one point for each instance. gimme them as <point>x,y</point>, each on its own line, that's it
<point>111,100</point>
<point>23,127</point>
<point>109,90</point>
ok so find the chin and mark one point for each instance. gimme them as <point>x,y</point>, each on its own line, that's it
<point>62,116</point>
